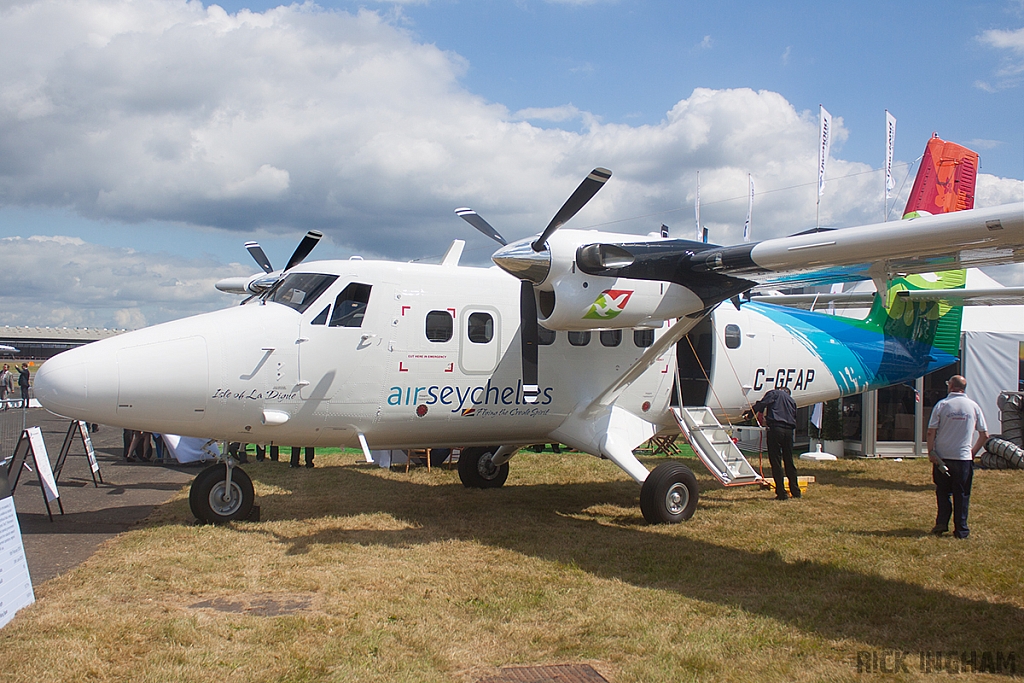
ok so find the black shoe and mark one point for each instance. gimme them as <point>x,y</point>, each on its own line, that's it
<point>781,497</point>
<point>798,495</point>
<point>310,465</point>
<point>938,530</point>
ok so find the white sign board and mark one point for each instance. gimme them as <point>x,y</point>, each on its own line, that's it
<point>15,583</point>
<point>42,460</point>
<point>83,429</point>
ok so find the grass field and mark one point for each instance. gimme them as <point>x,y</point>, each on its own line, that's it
<point>361,574</point>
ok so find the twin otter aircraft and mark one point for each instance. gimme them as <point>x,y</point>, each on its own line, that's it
<point>571,339</point>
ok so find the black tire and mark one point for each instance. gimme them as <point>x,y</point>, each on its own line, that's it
<point>669,495</point>
<point>206,496</point>
<point>991,461</point>
<point>476,470</point>
<point>1007,450</point>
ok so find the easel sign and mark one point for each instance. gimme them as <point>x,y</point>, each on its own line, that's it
<point>81,429</point>
<point>31,443</point>
<point>15,583</point>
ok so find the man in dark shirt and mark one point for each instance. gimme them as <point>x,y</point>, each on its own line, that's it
<point>24,382</point>
<point>777,411</point>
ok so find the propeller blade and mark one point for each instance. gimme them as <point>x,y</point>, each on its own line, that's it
<point>477,221</point>
<point>261,259</point>
<point>583,194</point>
<point>305,246</point>
<point>529,334</point>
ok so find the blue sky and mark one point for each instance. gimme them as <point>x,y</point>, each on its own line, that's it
<point>178,131</point>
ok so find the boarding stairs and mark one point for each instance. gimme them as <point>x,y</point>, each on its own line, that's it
<point>715,447</point>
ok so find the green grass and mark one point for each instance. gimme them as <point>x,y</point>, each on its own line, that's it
<point>362,574</point>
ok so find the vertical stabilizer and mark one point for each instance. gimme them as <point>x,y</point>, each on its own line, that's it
<point>945,180</point>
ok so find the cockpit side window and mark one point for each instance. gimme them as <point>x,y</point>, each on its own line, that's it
<point>321,318</point>
<point>300,290</point>
<point>350,306</point>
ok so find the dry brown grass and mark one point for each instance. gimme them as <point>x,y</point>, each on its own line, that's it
<point>359,574</point>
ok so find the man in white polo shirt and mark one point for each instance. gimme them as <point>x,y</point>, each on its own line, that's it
<point>952,447</point>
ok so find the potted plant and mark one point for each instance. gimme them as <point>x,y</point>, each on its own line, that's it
<point>832,428</point>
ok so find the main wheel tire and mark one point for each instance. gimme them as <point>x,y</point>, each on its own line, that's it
<point>206,497</point>
<point>669,495</point>
<point>478,471</point>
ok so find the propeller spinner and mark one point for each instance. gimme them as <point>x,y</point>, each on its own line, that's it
<point>530,262</point>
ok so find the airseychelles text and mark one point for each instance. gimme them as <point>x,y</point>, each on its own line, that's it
<point>461,397</point>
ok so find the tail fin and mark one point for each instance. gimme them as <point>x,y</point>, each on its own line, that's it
<point>945,183</point>
<point>945,180</point>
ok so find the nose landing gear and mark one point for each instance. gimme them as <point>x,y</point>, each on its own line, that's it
<point>220,494</point>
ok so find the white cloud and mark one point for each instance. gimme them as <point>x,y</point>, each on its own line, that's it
<point>1010,42</point>
<point>66,281</point>
<point>566,112</point>
<point>300,118</point>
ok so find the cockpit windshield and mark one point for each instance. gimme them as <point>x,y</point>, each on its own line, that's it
<point>300,290</point>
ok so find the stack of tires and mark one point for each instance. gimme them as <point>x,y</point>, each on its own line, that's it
<point>1005,452</point>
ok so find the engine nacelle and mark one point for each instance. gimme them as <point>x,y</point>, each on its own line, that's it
<point>569,299</point>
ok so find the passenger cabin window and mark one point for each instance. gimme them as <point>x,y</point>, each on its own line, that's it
<point>611,337</point>
<point>643,338</point>
<point>545,337</point>
<point>481,328</point>
<point>300,290</point>
<point>440,326</point>
<point>577,338</point>
<point>350,306</point>
<point>733,336</point>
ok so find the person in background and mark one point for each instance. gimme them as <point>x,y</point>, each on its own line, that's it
<point>6,385</point>
<point>24,382</point>
<point>777,411</point>
<point>310,452</point>
<point>951,448</point>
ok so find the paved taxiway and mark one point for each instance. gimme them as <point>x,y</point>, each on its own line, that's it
<point>92,515</point>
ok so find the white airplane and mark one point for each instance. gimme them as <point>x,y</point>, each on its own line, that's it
<point>4,348</point>
<point>570,339</point>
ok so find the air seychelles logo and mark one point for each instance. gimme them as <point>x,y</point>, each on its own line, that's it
<point>608,304</point>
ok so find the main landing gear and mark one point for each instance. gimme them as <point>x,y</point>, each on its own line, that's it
<point>478,468</point>
<point>669,494</point>
<point>221,493</point>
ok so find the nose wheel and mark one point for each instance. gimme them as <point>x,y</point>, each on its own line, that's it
<point>214,501</point>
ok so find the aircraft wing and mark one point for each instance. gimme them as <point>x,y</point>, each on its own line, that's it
<point>964,239</point>
<point>1001,296</point>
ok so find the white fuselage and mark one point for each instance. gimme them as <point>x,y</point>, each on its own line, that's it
<point>265,372</point>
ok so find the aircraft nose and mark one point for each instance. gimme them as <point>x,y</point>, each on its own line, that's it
<point>68,384</point>
<point>150,379</point>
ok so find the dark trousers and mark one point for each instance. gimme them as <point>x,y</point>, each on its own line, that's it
<point>953,495</point>
<point>780,453</point>
<point>309,456</point>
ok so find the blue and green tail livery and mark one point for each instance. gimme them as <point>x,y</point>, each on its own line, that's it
<point>895,343</point>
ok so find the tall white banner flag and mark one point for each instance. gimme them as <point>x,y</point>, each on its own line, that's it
<point>825,120</point>
<point>890,144</point>
<point>696,208</point>
<point>750,209</point>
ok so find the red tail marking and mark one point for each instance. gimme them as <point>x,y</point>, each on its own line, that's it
<point>946,179</point>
